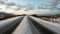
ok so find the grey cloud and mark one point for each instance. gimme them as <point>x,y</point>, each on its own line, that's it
<point>7,3</point>
<point>54,3</point>
<point>11,4</point>
<point>2,2</point>
<point>30,7</point>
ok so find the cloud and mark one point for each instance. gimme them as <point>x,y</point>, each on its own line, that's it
<point>54,3</point>
<point>7,5</point>
<point>11,4</point>
<point>2,2</point>
<point>2,7</point>
<point>48,12</point>
<point>11,7</point>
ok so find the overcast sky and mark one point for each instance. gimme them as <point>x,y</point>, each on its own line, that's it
<point>16,6</point>
<point>35,2</point>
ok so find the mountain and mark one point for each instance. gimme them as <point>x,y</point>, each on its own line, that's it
<point>5,14</point>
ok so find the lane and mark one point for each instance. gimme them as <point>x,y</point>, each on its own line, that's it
<point>55,28</point>
<point>8,25</point>
<point>26,27</point>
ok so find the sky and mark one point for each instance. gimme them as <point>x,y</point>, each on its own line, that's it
<point>35,2</point>
<point>25,6</point>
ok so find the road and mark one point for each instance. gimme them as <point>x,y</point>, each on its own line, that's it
<point>8,25</point>
<point>28,25</point>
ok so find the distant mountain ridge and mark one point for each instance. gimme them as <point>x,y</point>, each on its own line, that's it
<point>5,14</point>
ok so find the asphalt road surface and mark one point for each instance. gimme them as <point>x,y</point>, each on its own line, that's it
<point>26,27</point>
<point>8,25</point>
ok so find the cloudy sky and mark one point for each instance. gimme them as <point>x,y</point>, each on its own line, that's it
<point>41,7</point>
<point>24,2</point>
